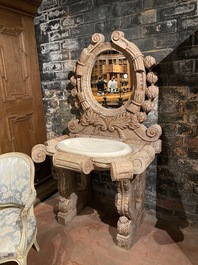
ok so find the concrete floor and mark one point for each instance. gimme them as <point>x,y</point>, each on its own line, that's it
<point>90,240</point>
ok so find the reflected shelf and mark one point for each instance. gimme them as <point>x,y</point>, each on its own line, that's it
<point>113,100</point>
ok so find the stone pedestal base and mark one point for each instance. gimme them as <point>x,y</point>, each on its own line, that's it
<point>130,205</point>
<point>66,218</point>
<point>75,191</point>
<point>67,209</point>
<point>127,233</point>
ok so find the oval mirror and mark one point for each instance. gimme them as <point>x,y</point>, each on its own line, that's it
<point>133,80</point>
<point>111,80</point>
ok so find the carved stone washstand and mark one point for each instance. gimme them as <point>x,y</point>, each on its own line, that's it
<point>124,124</point>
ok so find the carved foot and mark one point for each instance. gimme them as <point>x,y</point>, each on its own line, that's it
<point>67,209</point>
<point>36,245</point>
<point>127,231</point>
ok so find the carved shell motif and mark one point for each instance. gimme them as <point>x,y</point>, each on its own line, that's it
<point>149,62</point>
<point>152,92</point>
<point>147,106</point>
<point>141,116</point>
<point>152,78</point>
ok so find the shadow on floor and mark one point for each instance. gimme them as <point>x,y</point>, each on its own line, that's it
<point>172,229</point>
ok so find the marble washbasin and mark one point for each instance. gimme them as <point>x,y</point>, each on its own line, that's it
<point>94,147</point>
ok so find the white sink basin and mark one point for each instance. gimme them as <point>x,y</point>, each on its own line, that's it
<point>94,147</point>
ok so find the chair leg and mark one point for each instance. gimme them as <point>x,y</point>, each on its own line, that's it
<point>36,245</point>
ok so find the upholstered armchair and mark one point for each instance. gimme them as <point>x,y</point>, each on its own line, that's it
<point>17,195</point>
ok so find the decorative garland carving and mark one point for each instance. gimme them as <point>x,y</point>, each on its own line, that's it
<point>121,121</point>
<point>93,118</point>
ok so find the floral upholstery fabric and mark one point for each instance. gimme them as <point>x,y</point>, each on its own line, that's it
<point>17,194</point>
<point>10,227</point>
<point>15,180</point>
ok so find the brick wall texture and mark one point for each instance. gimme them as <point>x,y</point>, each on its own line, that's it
<point>165,29</point>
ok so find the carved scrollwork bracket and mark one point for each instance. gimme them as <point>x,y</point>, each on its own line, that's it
<point>78,163</point>
<point>118,39</point>
<point>39,153</point>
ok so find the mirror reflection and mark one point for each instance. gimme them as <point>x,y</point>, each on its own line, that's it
<point>111,80</point>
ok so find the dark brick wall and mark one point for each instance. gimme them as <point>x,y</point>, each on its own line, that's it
<point>165,29</point>
<point>177,193</point>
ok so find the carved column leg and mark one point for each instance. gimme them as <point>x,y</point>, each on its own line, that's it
<point>67,186</point>
<point>130,205</point>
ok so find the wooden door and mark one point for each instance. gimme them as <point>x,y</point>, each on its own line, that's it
<point>21,108</point>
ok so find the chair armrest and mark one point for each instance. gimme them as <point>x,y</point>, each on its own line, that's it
<point>30,201</point>
<point>23,242</point>
<point>24,213</point>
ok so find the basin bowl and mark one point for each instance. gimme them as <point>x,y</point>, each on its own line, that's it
<point>94,147</point>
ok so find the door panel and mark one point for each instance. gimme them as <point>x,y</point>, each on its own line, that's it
<point>21,107</point>
<point>22,116</point>
<point>15,78</point>
<point>21,132</point>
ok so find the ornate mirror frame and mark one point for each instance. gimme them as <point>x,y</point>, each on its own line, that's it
<point>86,63</point>
<point>131,115</point>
